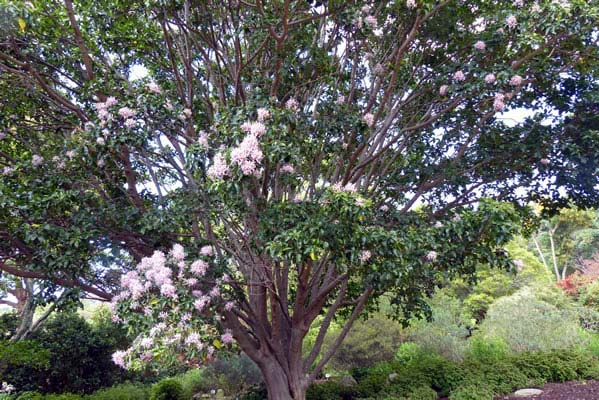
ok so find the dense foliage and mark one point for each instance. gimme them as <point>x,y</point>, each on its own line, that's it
<point>280,161</point>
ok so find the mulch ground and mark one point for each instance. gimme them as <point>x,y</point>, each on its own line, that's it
<point>584,390</point>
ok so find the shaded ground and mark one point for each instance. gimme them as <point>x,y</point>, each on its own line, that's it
<point>583,390</point>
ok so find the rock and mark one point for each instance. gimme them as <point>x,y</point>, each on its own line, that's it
<point>392,376</point>
<point>527,392</point>
<point>348,381</point>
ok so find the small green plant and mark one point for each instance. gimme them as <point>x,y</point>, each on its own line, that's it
<point>167,389</point>
<point>423,393</point>
<point>487,349</point>
<point>121,392</point>
<point>472,393</point>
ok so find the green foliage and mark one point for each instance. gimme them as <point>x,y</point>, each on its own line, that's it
<point>25,353</point>
<point>473,392</point>
<point>167,389</point>
<point>78,356</point>
<point>370,341</point>
<point>526,323</point>
<point>328,390</point>
<point>234,374</point>
<point>30,395</point>
<point>487,350</point>
<point>423,393</point>
<point>123,392</point>
<point>8,325</point>
<point>447,330</point>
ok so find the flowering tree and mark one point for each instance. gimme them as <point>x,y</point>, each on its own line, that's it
<point>264,163</point>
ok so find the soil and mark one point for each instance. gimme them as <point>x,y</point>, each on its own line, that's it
<point>583,390</point>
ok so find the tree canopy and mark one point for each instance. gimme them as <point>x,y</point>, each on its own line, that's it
<point>279,160</point>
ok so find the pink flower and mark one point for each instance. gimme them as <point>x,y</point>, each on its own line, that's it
<point>340,99</point>
<point>70,154</point>
<point>443,90</point>
<point>215,292</point>
<point>459,76</point>
<point>146,343</point>
<point>118,357</point>
<point>384,208</point>
<point>360,202</point>
<point>511,21</point>
<point>490,79</point>
<point>7,171</point>
<point>545,161</point>
<point>431,256</point>
<point>191,281</point>
<point>201,303</point>
<point>263,114</point>
<point>219,168</point>
<point>37,160</point>
<point>187,112</point>
<point>129,123</point>
<point>111,101</point>
<point>368,118</point>
<point>229,305</point>
<point>257,129</point>
<point>247,154</point>
<point>199,267</point>
<point>193,338</point>
<point>207,251</point>
<point>246,127</point>
<point>516,80</point>
<point>154,88</point>
<point>178,252</point>
<point>203,140</point>
<point>227,337</point>
<point>518,3</point>
<point>519,265</point>
<point>498,103</point>
<point>126,112</point>
<point>366,9</point>
<point>411,4</point>
<point>287,169</point>
<point>101,141</point>
<point>365,255</point>
<point>371,20</point>
<point>480,45</point>
<point>292,105</point>
<point>168,290</point>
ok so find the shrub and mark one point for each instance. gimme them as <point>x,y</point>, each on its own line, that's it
<point>472,393</point>
<point>446,333</point>
<point>368,342</point>
<point>423,393</point>
<point>528,324</point>
<point>408,352</point>
<point>63,396</point>
<point>328,390</point>
<point>234,374</point>
<point>167,389</point>
<point>121,392</point>
<point>192,382</point>
<point>79,357</point>
<point>30,396</point>
<point>487,349</point>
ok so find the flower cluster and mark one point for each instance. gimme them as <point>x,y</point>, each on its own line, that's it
<point>178,297</point>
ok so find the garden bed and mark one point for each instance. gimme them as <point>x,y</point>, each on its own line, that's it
<point>574,390</point>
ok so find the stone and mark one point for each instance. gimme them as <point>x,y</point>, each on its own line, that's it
<point>392,376</point>
<point>527,392</point>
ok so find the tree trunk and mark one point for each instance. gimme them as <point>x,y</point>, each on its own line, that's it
<point>279,385</point>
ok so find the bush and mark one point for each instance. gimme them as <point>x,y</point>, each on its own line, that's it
<point>368,343</point>
<point>31,396</point>
<point>192,382</point>
<point>487,349</point>
<point>423,393</point>
<point>121,392</point>
<point>446,333</point>
<point>528,324</point>
<point>167,389</point>
<point>472,393</point>
<point>329,390</point>
<point>79,357</point>
<point>234,374</point>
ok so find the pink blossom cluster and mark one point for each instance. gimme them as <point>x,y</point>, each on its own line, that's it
<point>247,155</point>
<point>498,102</point>
<point>219,168</point>
<point>368,119</point>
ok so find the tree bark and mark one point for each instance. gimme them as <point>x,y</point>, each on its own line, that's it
<point>279,385</point>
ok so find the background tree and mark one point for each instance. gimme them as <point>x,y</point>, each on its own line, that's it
<point>286,145</point>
